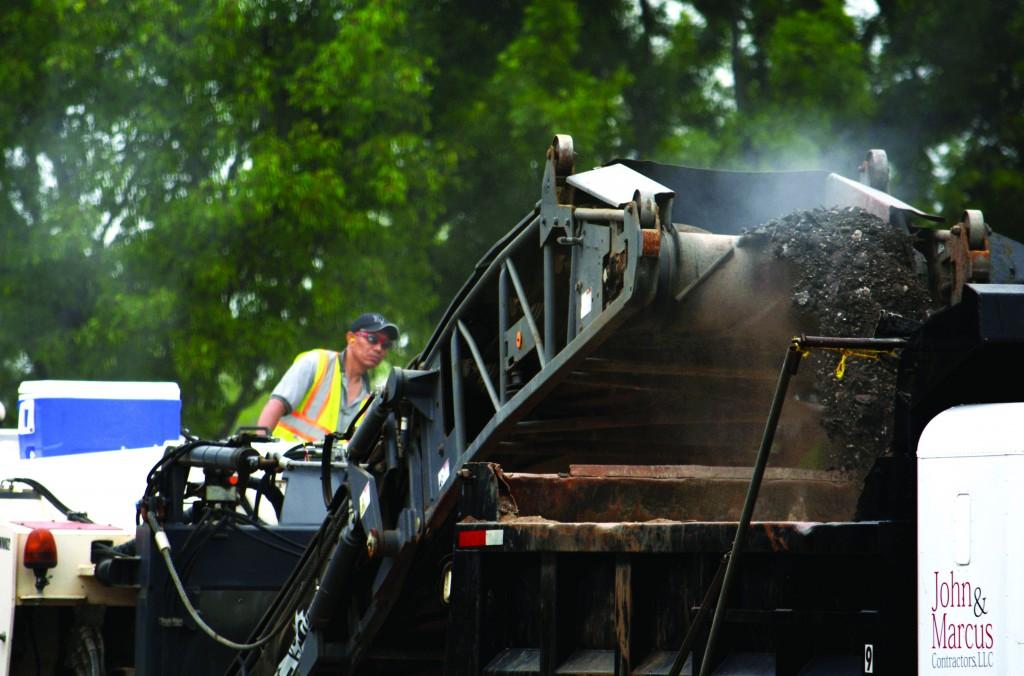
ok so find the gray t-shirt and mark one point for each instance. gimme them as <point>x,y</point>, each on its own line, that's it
<point>299,377</point>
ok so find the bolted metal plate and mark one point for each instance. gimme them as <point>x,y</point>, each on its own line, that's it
<point>616,184</point>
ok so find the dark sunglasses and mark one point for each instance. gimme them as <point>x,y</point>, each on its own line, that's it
<point>374,339</point>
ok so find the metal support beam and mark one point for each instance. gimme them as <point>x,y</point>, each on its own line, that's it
<point>480,365</point>
<point>458,415</point>
<point>574,265</point>
<point>502,329</point>
<point>549,301</point>
<point>525,304</point>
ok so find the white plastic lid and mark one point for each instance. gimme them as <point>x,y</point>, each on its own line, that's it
<point>98,389</point>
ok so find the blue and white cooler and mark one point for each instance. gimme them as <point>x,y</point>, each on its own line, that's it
<point>63,417</point>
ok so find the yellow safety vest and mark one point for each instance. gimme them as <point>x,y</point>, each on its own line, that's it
<point>317,413</point>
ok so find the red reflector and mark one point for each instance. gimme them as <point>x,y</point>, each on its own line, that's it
<point>40,549</point>
<point>472,538</point>
<point>233,480</point>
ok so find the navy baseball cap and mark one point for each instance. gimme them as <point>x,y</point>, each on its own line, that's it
<point>374,322</point>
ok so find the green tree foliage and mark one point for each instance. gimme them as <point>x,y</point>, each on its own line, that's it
<point>533,87</point>
<point>197,191</point>
<point>801,87</point>
<point>951,92</point>
<point>236,181</point>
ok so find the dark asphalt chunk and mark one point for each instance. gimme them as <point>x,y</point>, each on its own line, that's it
<point>853,271</point>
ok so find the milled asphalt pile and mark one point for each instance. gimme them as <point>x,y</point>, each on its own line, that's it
<point>853,269</point>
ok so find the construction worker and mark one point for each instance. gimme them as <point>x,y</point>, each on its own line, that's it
<point>324,390</point>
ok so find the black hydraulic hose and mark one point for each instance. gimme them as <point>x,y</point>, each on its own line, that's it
<point>212,525</point>
<point>164,546</point>
<point>325,469</point>
<point>282,543</point>
<point>789,368</point>
<point>327,457</point>
<point>297,587</point>
<point>70,514</point>
<point>171,455</point>
<point>264,488</point>
<point>363,439</point>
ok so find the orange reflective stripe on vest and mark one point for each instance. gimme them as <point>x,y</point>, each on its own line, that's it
<point>293,428</point>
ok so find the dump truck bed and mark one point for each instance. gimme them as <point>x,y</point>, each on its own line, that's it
<point>546,597</point>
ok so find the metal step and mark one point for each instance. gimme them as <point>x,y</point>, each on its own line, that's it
<point>589,663</point>
<point>515,661</point>
<point>660,664</point>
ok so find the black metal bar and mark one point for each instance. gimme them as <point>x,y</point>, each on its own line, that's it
<point>852,343</point>
<point>457,413</point>
<point>574,264</point>
<point>789,367</point>
<point>699,620</point>
<point>390,433</point>
<point>326,457</point>
<point>365,437</point>
<point>549,300</point>
<point>525,303</point>
<point>549,649</point>
<point>502,329</point>
<point>480,365</point>
<point>464,647</point>
<point>336,581</point>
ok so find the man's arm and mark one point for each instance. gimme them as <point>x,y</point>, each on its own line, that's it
<point>289,391</point>
<point>272,412</point>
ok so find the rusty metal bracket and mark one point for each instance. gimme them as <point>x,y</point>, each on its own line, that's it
<point>959,256</point>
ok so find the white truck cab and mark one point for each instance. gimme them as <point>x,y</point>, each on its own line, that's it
<point>970,500</point>
<point>70,475</point>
